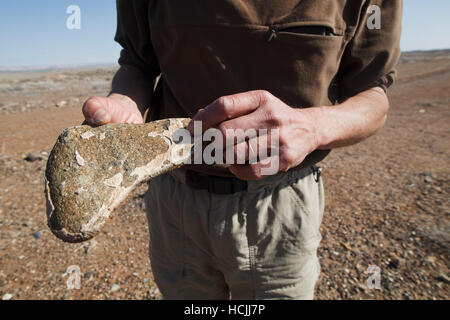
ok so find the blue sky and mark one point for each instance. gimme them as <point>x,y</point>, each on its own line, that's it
<point>34,33</point>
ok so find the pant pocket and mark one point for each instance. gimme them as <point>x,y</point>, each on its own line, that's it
<point>283,223</point>
<point>165,222</point>
<point>306,198</point>
<point>285,265</point>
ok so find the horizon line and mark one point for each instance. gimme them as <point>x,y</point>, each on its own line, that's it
<point>44,67</point>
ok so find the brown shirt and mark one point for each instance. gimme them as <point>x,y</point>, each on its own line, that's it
<point>305,52</point>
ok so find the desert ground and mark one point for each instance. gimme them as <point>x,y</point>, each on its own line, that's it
<point>387,199</point>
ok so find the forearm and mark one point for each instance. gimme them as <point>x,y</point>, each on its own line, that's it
<point>129,83</point>
<point>351,121</point>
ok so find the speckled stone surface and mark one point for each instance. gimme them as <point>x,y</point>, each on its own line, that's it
<point>91,171</point>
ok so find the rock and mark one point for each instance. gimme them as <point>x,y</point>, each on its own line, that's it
<point>346,246</point>
<point>396,262</point>
<point>115,287</point>
<point>34,156</point>
<point>91,171</point>
<point>37,234</point>
<point>407,295</point>
<point>423,207</point>
<point>444,278</point>
<point>61,104</point>
<point>90,246</point>
<point>431,259</point>
<point>7,296</point>
<point>388,287</point>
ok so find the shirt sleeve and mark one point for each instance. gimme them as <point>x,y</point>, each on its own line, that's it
<point>133,34</point>
<point>371,56</point>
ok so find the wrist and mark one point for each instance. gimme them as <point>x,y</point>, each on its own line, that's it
<point>315,116</point>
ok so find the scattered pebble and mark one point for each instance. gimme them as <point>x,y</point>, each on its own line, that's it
<point>7,296</point>
<point>431,259</point>
<point>396,263</point>
<point>115,287</point>
<point>444,278</point>
<point>428,179</point>
<point>61,104</point>
<point>407,295</point>
<point>34,156</point>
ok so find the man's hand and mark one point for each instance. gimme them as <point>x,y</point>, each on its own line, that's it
<point>261,110</point>
<point>301,131</point>
<point>116,108</point>
<point>130,97</point>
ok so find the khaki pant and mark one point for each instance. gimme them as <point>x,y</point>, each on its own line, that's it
<point>258,244</point>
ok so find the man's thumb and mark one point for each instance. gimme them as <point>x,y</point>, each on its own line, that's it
<point>96,111</point>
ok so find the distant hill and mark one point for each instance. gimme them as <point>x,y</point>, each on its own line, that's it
<point>50,68</point>
<point>413,56</point>
<point>408,56</point>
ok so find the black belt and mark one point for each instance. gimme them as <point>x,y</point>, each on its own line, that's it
<point>215,184</point>
<point>227,185</point>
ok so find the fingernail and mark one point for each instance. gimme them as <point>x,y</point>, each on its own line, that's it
<point>100,116</point>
